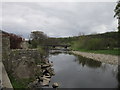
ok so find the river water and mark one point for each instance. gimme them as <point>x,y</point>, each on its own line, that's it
<point>73,71</point>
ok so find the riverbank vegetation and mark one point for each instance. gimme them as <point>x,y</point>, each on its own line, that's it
<point>37,41</point>
<point>105,43</point>
<point>19,83</point>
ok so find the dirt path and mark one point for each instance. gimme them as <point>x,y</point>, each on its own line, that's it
<point>111,59</point>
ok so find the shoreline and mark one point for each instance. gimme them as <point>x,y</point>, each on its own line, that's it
<point>109,59</point>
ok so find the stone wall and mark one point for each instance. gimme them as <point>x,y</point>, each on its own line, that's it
<point>20,63</point>
<point>24,62</point>
<point>24,45</point>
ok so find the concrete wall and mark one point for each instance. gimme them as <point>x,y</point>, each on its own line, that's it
<point>5,79</point>
<point>0,59</point>
<point>6,51</point>
<point>4,57</point>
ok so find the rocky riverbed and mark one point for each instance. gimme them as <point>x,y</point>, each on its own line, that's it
<point>44,79</point>
<point>110,59</point>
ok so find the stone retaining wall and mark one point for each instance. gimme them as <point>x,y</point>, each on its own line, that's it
<point>19,54</point>
<point>24,63</point>
<point>21,63</point>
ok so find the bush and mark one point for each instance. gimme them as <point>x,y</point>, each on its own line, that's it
<point>41,49</point>
<point>92,43</point>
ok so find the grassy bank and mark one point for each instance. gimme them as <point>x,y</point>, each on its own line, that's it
<point>19,83</point>
<point>112,52</point>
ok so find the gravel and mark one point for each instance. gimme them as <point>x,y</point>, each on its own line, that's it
<point>110,59</point>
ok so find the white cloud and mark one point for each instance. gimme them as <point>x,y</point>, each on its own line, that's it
<point>100,29</point>
<point>60,1</point>
<point>58,19</point>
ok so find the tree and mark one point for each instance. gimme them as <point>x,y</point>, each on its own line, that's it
<point>81,34</point>
<point>37,38</point>
<point>117,14</point>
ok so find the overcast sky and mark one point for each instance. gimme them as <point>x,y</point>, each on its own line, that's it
<point>58,19</point>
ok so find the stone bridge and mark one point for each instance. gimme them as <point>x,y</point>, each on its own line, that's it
<point>57,45</point>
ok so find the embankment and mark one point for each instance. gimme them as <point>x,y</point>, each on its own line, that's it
<point>110,59</point>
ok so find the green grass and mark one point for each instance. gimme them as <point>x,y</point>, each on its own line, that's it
<point>19,83</point>
<point>112,52</point>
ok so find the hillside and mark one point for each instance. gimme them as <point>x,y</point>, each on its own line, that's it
<point>106,43</point>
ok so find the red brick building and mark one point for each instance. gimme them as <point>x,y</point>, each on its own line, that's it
<point>15,40</point>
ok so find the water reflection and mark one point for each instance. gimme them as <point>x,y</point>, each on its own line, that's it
<point>77,72</point>
<point>89,62</point>
<point>57,52</point>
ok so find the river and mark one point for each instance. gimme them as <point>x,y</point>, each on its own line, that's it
<point>73,71</point>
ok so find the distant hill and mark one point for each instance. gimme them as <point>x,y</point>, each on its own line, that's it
<point>113,35</point>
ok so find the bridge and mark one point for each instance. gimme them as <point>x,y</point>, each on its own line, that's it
<point>56,45</point>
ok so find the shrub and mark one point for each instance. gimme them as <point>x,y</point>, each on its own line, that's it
<point>41,50</point>
<point>94,44</point>
<point>91,43</point>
